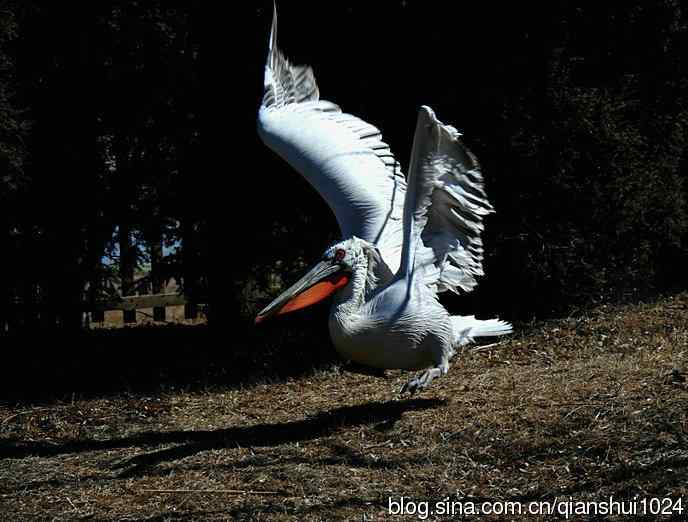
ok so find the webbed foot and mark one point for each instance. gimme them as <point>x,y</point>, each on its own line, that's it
<point>421,382</point>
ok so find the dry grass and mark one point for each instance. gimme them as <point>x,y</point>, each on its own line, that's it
<point>584,408</point>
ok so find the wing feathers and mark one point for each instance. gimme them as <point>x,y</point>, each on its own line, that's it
<point>345,159</point>
<point>286,83</point>
<point>341,156</point>
<point>447,203</point>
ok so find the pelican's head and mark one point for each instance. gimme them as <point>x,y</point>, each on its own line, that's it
<point>329,275</point>
<point>349,253</point>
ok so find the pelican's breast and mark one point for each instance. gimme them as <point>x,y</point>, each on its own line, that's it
<point>378,338</point>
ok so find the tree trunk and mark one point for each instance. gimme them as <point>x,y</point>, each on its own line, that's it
<point>189,269</point>
<point>157,277</point>
<point>127,263</point>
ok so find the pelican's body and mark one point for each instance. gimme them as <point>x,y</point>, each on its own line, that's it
<point>405,240</point>
<point>391,331</point>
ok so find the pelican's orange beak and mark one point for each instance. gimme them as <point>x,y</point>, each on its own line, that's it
<point>320,282</point>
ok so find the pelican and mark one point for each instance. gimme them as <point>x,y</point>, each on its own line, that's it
<point>405,239</point>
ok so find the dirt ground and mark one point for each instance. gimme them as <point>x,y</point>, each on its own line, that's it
<point>574,410</point>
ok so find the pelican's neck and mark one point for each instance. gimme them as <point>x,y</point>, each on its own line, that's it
<point>352,295</point>
<point>367,273</point>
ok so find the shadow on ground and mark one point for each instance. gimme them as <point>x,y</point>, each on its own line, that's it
<point>382,414</point>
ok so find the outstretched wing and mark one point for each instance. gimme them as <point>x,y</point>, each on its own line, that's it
<point>341,156</point>
<point>444,209</point>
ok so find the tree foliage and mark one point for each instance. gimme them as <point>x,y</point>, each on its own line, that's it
<point>112,92</point>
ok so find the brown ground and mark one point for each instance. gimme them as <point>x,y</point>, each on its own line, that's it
<point>581,408</point>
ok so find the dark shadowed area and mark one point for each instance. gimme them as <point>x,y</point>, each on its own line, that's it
<point>113,408</point>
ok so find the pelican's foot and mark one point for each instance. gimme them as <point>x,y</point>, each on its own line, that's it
<point>421,382</point>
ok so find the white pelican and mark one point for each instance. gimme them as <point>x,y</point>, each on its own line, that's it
<point>405,240</point>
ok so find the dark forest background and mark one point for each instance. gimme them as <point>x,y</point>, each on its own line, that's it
<point>578,112</point>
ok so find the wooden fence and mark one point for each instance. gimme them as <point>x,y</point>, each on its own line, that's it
<point>154,296</point>
<point>162,296</point>
<point>132,306</point>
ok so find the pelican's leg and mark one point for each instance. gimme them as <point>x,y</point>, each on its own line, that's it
<point>424,379</point>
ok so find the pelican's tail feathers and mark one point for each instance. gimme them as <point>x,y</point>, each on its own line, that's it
<point>467,328</point>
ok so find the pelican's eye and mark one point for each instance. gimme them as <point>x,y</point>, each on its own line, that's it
<point>339,255</point>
